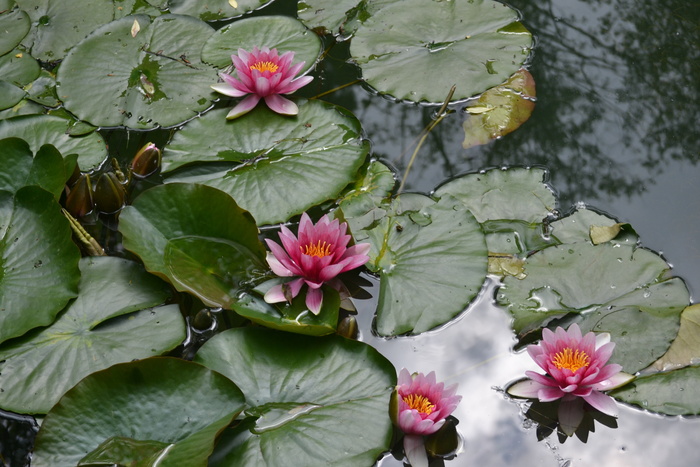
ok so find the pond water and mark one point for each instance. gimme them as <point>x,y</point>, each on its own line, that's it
<point>618,88</point>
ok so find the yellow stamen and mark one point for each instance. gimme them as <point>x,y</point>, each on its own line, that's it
<point>420,403</point>
<point>264,66</point>
<point>319,249</point>
<point>571,360</point>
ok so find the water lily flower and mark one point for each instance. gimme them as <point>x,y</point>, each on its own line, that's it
<point>318,256</point>
<point>262,74</point>
<point>576,370</point>
<point>419,407</point>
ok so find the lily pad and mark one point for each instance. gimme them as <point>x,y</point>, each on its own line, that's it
<point>609,286</point>
<point>364,203</point>
<point>280,32</point>
<point>500,110</point>
<point>10,95</point>
<point>673,393</point>
<point>131,405</point>
<point>685,349</point>
<point>326,17</point>
<point>272,165</point>
<point>109,322</point>
<point>583,225</point>
<point>18,67</point>
<point>213,10</point>
<point>432,261</point>
<point>58,26</point>
<point>519,194</point>
<point>35,248</point>
<point>473,45</point>
<point>180,212</point>
<point>14,25</point>
<point>38,130</point>
<point>18,167</point>
<point>312,402</point>
<point>138,73</point>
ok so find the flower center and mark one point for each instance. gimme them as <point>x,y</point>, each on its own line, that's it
<point>571,360</point>
<point>264,66</point>
<point>318,249</point>
<point>421,403</point>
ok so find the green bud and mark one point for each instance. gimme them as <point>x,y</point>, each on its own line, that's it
<point>79,201</point>
<point>146,161</point>
<point>347,327</point>
<point>445,441</point>
<point>110,195</point>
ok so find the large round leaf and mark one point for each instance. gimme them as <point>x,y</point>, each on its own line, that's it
<point>58,26</point>
<point>38,261</point>
<point>38,130</point>
<point>432,261</point>
<point>328,17</point>
<point>674,393</point>
<point>138,73</point>
<point>471,44</point>
<point>18,167</point>
<point>158,411</point>
<point>611,286</point>
<point>90,335</point>
<point>190,216</point>
<point>273,166</point>
<point>14,25</point>
<point>280,32</point>
<point>17,69</point>
<point>313,402</point>
<point>212,10</point>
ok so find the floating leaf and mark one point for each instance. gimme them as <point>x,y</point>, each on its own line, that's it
<point>213,10</point>
<point>674,393</point>
<point>101,327</point>
<point>193,217</point>
<point>14,25</point>
<point>609,286</point>
<point>500,110</point>
<point>58,26</point>
<point>473,45</point>
<point>10,95</point>
<point>18,68</point>
<point>18,167</point>
<point>273,166</point>
<point>38,130</point>
<point>327,17</point>
<point>35,248</point>
<point>432,259</point>
<point>312,402</point>
<point>154,79</point>
<point>168,406</point>
<point>685,349</point>
<point>280,32</point>
<point>361,206</point>
<point>585,225</point>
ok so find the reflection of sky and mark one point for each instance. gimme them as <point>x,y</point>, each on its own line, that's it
<point>473,351</point>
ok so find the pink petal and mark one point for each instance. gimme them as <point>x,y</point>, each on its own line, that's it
<point>243,107</point>
<point>283,292</point>
<point>314,300</point>
<point>281,255</point>
<point>227,90</point>
<point>602,402</point>
<point>281,105</point>
<point>547,394</point>
<point>277,267</point>
<point>262,86</point>
<point>613,382</point>
<point>404,377</point>
<point>288,88</point>
<point>528,389</point>
<point>414,448</point>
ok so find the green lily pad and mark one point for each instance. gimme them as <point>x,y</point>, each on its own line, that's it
<point>273,166</point>
<point>312,402</point>
<point>364,203</point>
<point>178,212</point>
<point>164,411</point>
<point>294,317</point>
<point>108,323</point>
<point>583,225</point>
<point>10,95</point>
<point>519,194</point>
<point>38,130</point>
<point>138,73</point>
<point>18,167</point>
<point>609,286</point>
<point>35,248</point>
<point>280,32</point>
<point>19,68</point>
<point>500,110</point>
<point>213,10</point>
<point>326,17</point>
<point>473,45</point>
<point>673,393</point>
<point>685,349</point>
<point>14,25</point>
<point>432,261</point>
<point>43,90</point>
<point>58,26</point>
<point>211,269</point>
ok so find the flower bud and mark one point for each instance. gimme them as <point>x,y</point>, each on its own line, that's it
<point>110,195</point>
<point>79,201</point>
<point>146,161</point>
<point>347,327</point>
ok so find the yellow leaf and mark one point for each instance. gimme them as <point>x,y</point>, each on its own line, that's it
<point>135,28</point>
<point>233,3</point>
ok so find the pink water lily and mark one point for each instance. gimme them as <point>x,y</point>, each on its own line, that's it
<point>419,407</point>
<point>576,369</point>
<point>262,74</point>
<point>318,256</point>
